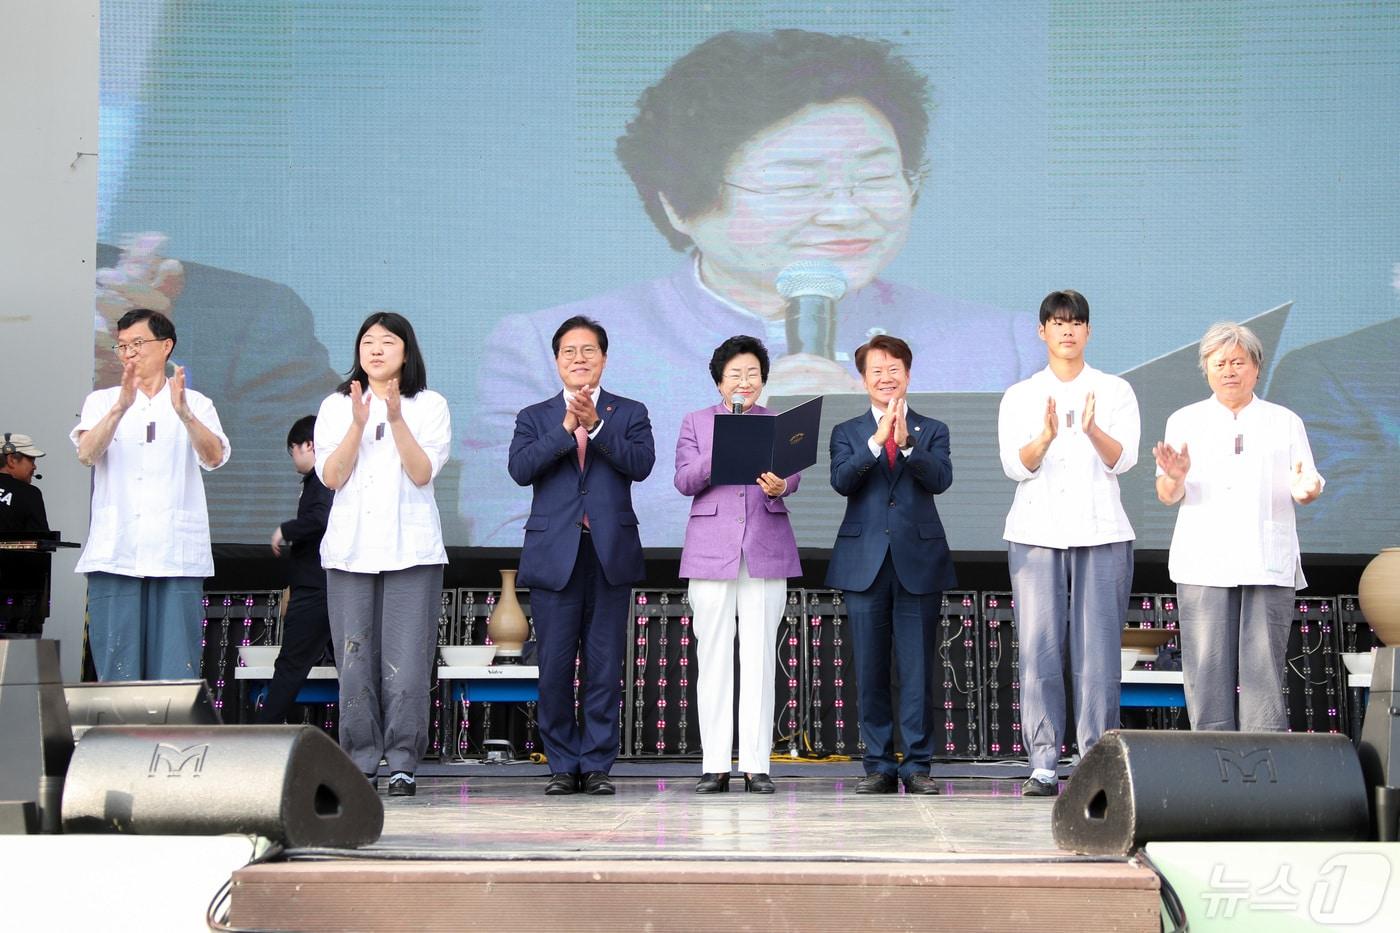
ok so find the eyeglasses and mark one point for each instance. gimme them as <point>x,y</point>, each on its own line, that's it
<point>878,192</point>
<point>572,353</point>
<point>122,349</point>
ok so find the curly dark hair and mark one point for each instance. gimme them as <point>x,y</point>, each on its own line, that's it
<point>734,85</point>
<point>738,345</point>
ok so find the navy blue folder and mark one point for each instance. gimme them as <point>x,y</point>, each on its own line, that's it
<point>747,445</point>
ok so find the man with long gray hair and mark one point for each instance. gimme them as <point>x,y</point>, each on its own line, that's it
<point>1235,465</point>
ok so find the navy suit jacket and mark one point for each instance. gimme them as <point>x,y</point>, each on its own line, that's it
<point>891,512</point>
<point>545,456</point>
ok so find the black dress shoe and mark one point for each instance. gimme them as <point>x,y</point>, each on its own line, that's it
<point>561,784</point>
<point>401,784</point>
<point>877,783</point>
<point>598,784</point>
<point>1035,788</point>
<point>920,784</point>
<point>712,783</point>
<point>758,784</point>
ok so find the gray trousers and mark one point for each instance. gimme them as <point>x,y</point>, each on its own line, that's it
<point>1235,637</point>
<point>1070,604</point>
<point>384,630</point>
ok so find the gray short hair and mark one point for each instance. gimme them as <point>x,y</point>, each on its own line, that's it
<point>1226,334</point>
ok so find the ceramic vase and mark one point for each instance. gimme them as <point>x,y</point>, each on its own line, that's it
<point>508,628</point>
<point>1379,591</point>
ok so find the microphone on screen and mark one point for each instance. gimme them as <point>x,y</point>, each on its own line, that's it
<point>812,287</point>
<point>736,403</point>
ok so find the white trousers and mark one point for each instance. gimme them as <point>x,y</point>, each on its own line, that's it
<point>758,606</point>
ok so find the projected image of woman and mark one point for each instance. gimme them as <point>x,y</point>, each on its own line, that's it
<point>753,151</point>
<point>739,552</point>
<point>381,438</point>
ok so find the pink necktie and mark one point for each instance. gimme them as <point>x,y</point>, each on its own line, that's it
<point>581,435</point>
<point>890,448</point>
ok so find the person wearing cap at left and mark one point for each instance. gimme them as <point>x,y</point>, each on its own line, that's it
<point>21,502</point>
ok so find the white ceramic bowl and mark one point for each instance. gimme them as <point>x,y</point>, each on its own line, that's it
<point>467,655</point>
<point>1358,662</point>
<point>1128,658</point>
<point>258,655</point>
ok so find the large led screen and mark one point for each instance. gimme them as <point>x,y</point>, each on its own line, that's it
<point>274,170</point>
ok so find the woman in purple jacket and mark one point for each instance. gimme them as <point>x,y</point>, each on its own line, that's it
<point>739,551</point>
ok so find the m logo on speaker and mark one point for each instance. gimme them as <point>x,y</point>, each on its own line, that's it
<point>1248,765</point>
<point>174,760</point>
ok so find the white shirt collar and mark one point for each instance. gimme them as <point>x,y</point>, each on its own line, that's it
<point>1235,414</point>
<point>1048,375</point>
<point>597,391</point>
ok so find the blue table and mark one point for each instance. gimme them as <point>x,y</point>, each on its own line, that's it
<point>322,685</point>
<point>1152,689</point>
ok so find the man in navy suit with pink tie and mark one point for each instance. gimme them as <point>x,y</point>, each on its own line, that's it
<point>891,559</point>
<point>581,450</point>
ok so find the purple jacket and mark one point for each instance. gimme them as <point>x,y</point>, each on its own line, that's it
<point>728,520</point>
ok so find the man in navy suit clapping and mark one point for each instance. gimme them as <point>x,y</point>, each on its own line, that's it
<point>891,559</point>
<point>581,450</point>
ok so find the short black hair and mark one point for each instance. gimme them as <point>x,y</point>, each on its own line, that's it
<point>1064,305</point>
<point>732,86</point>
<point>890,346</point>
<point>303,431</point>
<point>414,378</point>
<point>162,328</point>
<point>738,345</point>
<point>575,322</point>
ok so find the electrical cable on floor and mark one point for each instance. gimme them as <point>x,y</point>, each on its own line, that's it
<point>1171,901</point>
<point>264,850</point>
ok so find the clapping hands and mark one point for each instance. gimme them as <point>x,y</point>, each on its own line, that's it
<point>359,404</point>
<point>1305,484</point>
<point>580,410</point>
<point>1175,464</point>
<point>894,422</point>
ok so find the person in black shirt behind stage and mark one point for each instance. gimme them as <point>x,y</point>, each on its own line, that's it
<point>24,575</point>
<point>21,502</point>
<point>306,626</point>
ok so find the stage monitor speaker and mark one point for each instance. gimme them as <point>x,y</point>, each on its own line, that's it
<point>139,703</point>
<point>1135,787</point>
<point>291,784</point>
<point>35,741</point>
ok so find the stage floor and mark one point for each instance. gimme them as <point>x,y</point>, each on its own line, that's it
<point>658,856</point>
<point>815,815</point>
